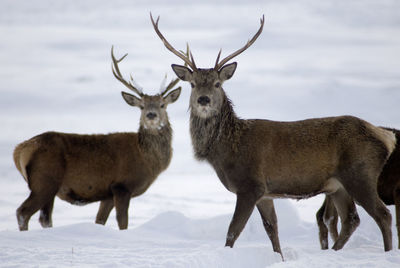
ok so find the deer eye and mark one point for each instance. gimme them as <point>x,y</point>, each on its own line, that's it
<point>218,84</point>
<point>192,84</point>
<point>141,107</point>
<point>162,105</point>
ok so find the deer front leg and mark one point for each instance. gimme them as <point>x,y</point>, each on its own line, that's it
<point>122,197</point>
<point>323,230</point>
<point>245,203</point>
<point>104,211</point>
<point>270,222</point>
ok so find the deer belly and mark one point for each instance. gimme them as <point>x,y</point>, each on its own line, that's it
<point>292,187</point>
<point>84,190</point>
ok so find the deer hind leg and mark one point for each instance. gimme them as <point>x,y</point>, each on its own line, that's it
<point>377,210</point>
<point>396,197</point>
<point>122,197</point>
<point>323,230</point>
<point>364,191</point>
<point>270,222</point>
<point>331,218</point>
<point>45,217</point>
<point>245,203</point>
<point>44,186</point>
<point>104,211</point>
<point>348,216</point>
<point>26,210</point>
<point>36,200</point>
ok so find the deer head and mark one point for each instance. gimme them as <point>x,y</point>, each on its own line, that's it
<point>207,94</point>
<point>153,107</point>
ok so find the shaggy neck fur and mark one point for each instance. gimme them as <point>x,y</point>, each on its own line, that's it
<point>222,131</point>
<point>156,145</point>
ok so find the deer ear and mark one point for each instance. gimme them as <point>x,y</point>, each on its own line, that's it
<point>227,71</point>
<point>131,100</point>
<point>173,95</point>
<point>182,72</point>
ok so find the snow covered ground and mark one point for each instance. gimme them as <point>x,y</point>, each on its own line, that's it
<point>314,58</point>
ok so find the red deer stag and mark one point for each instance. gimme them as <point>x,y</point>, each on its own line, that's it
<point>259,160</point>
<point>388,190</point>
<point>110,168</point>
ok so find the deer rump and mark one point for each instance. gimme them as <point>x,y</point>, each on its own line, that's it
<point>388,190</point>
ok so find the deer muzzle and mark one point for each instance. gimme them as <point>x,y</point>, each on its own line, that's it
<point>203,100</point>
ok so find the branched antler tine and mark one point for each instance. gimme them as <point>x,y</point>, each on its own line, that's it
<point>216,62</point>
<point>187,53</point>
<point>115,69</point>
<point>168,45</point>
<point>192,59</point>
<point>170,86</point>
<point>247,45</point>
<point>173,82</point>
<point>115,63</point>
<point>116,72</point>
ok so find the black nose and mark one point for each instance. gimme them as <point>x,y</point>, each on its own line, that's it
<point>203,100</point>
<point>151,116</point>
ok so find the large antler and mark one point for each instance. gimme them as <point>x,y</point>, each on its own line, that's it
<point>175,81</point>
<point>164,89</point>
<point>117,74</point>
<point>189,61</point>
<point>218,65</point>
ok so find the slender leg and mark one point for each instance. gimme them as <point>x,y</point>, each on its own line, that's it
<point>104,211</point>
<point>245,203</point>
<point>397,204</point>
<point>348,216</point>
<point>27,209</point>
<point>270,222</point>
<point>46,211</point>
<point>368,198</point>
<point>41,197</point>
<point>331,218</point>
<point>35,201</point>
<point>44,181</point>
<point>121,201</point>
<point>360,181</point>
<point>382,217</point>
<point>323,230</point>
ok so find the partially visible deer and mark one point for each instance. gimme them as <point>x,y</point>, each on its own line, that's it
<point>110,168</point>
<point>388,190</point>
<point>259,160</point>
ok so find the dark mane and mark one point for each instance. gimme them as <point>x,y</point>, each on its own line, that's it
<point>157,145</point>
<point>222,129</point>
